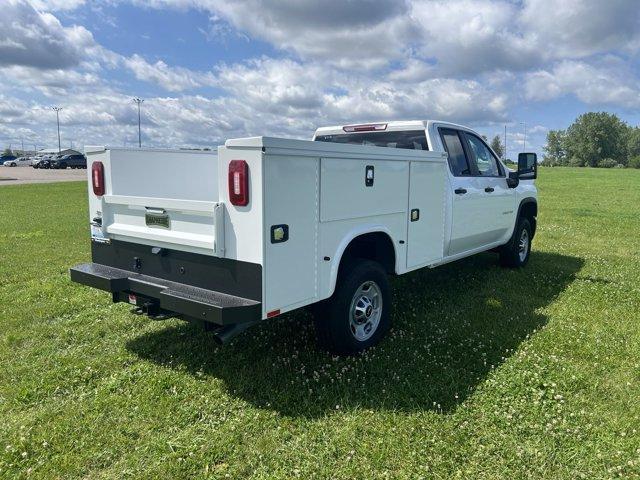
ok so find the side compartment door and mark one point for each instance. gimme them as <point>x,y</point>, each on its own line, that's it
<point>290,230</point>
<point>425,237</point>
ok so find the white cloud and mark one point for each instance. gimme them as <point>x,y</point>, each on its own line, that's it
<point>607,83</point>
<point>313,91</point>
<point>56,5</point>
<point>50,82</point>
<point>578,28</point>
<point>172,79</point>
<point>466,37</point>
<point>35,39</point>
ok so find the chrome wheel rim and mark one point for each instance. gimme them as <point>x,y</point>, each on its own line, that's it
<point>523,245</point>
<point>365,311</point>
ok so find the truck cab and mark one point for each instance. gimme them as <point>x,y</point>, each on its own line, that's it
<point>269,225</point>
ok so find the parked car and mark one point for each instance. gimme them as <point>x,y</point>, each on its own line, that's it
<point>18,162</point>
<point>6,158</point>
<point>270,225</point>
<point>73,161</point>
<point>45,161</point>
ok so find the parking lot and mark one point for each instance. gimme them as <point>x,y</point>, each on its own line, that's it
<point>20,175</point>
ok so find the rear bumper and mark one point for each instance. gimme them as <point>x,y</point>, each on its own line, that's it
<point>194,302</point>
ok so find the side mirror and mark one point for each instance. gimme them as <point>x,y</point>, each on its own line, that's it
<point>527,166</point>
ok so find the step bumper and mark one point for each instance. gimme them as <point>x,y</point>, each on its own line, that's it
<point>185,300</point>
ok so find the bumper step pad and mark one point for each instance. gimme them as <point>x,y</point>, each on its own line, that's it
<point>199,303</point>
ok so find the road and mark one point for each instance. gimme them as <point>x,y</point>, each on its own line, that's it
<point>21,175</point>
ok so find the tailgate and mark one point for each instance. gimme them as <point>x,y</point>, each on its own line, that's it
<point>159,198</point>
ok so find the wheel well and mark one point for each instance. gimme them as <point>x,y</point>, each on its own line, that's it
<point>376,246</point>
<point>529,210</point>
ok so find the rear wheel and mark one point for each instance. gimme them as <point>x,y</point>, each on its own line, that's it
<point>516,253</point>
<point>357,316</point>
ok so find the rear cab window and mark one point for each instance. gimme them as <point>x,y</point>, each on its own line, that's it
<point>408,139</point>
<point>457,158</point>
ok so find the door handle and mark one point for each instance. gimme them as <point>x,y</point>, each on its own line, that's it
<point>460,191</point>
<point>488,189</point>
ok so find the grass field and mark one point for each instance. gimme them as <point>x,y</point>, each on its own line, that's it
<point>487,373</point>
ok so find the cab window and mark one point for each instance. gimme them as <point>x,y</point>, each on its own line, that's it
<point>457,158</point>
<point>409,139</point>
<point>483,161</point>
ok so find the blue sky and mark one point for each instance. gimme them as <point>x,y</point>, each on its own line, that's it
<point>210,70</point>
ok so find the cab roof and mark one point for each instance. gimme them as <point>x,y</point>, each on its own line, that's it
<point>392,126</point>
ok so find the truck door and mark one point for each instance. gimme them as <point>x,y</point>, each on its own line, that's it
<point>496,199</point>
<point>468,216</point>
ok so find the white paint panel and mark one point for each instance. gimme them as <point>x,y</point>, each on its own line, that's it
<point>243,225</point>
<point>193,229</point>
<point>427,192</point>
<point>183,175</point>
<point>291,198</point>
<point>335,237</point>
<point>345,195</point>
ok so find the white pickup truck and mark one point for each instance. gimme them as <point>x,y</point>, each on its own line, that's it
<point>269,225</point>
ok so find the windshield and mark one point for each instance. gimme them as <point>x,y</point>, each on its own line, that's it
<point>411,139</point>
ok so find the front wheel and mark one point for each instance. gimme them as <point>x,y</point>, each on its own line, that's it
<point>357,316</point>
<point>516,253</point>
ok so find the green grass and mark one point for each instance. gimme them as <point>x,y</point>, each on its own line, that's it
<point>487,373</point>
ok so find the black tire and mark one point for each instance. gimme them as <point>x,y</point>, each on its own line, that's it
<point>511,253</point>
<point>333,319</point>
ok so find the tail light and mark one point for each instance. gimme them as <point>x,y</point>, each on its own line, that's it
<point>239,183</point>
<point>97,178</point>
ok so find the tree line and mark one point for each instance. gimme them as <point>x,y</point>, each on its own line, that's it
<point>594,139</point>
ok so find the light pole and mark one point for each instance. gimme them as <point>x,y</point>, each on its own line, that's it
<point>504,157</point>
<point>139,101</point>
<point>524,141</point>
<point>57,110</point>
